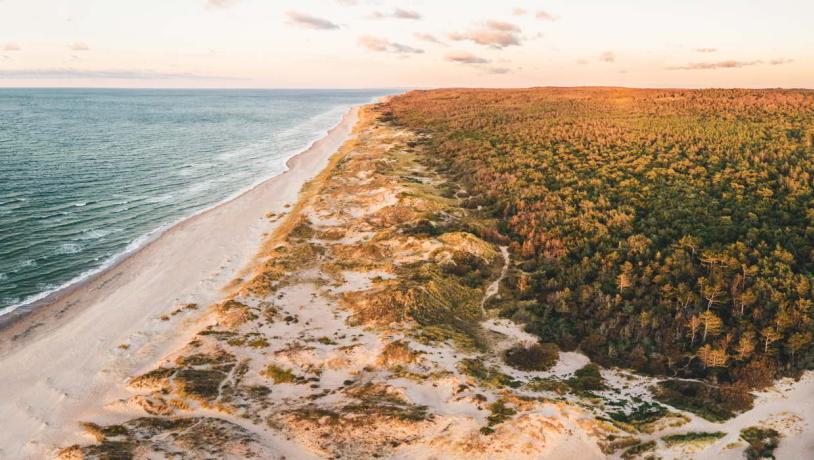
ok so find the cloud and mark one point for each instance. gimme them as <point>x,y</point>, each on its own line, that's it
<point>495,34</point>
<point>385,46</point>
<point>309,22</point>
<point>607,56</point>
<point>781,61</point>
<point>730,64</point>
<point>519,12</point>
<point>398,13</point>
<point>502,26</point>
<point>67,73</point>
<point>428,38</point>
<point>405,14</point>
<point>11,47</point>
<point>706,50</point>
<point>582,61</point>
<point>545,16</point>
<point>80,46</point>
<point>465,58</point>
<point>220,3</point>
<point>498,70</point>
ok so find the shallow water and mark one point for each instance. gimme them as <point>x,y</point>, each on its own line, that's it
<point>88,175</point>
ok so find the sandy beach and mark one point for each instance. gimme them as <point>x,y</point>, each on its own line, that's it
<point>63,360</point>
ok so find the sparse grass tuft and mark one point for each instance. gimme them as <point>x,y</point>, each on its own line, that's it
<point>489,376</point>
<point>280,375</point>
<point>702,437</point>
<point>500,413</point>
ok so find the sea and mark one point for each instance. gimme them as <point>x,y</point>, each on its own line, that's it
<point>88,176</point>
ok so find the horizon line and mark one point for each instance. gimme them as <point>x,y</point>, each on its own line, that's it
<point>406,88</point>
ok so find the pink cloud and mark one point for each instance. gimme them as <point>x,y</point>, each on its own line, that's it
<point>309,22</point>
<point>465,58</point>
<point>405,14</point>
<point>427,38</point>
<point>730,64</point>
<point>385,46</point>
<point>496,34</point>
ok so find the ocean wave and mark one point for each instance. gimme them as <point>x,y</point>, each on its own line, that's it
<point>69,248</point>
<point>28,263</point>
<point>159,199</point>
<point>97,233</point>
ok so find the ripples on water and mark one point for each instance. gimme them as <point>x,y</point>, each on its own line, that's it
<point>86,175</point>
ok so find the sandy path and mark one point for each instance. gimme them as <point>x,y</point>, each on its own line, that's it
<point>60,362</point>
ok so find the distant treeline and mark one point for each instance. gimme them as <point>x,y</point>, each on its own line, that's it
<point>671,231</point>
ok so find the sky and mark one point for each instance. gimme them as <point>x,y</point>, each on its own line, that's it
<point>406,43</point>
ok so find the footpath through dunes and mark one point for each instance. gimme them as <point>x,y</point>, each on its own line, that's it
<point>368,327</point>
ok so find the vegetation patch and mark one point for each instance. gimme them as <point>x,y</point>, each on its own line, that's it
<point>155,379</point>
<point>638,450</point>
<point>489,376</point>
<point>762,442</point>
<point>200,384</point>
<point>548,384</point>
<point>696,437</point>
<point>587,379</point>
<point>641,416</point>
<point>714,403</point>
<point>536,357</point>
<point>500,413</point>
<point>281,375</point>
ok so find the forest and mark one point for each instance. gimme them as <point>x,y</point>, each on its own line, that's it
<point>670,231</point>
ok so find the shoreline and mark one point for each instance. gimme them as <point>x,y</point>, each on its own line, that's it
<point>78,345</point>
<point>48,298</point>
<point>43,299</point>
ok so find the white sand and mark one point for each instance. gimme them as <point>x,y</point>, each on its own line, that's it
<point>60,363</point>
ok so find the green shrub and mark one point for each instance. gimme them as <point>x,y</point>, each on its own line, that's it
<point>714,403</point>
<point>762,442</point>
<point>587,379</point>
<point>537,357</point>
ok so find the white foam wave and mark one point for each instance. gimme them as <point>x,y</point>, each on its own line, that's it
<point>69,248</point>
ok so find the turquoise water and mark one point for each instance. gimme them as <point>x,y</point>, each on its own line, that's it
<point>88,175</point>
